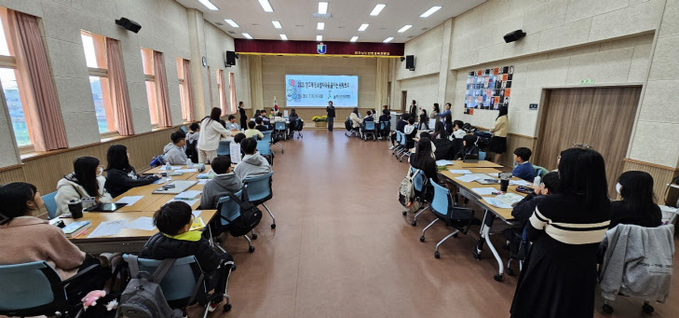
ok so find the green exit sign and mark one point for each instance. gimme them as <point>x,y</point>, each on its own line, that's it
<point>587,81</point>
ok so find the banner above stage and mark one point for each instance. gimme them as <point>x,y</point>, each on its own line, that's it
<point>360,49</point>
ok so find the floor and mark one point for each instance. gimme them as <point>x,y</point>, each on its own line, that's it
<point>342,248</point>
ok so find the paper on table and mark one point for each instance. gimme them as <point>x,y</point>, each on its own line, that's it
<point>471,177</point>
<point>486,191</point>
<point>460,171</point>
<point>187,170</point>
<point>493,175</point>
<point>188,195</point>
<point>130,200</point>
<point>444,163</point>
<point>107,228</point>
<point>142,223</point>
<point>497,203</point>
<point>520,183</point>
<point>163,168</point>
<point>162,180</point>
<point>189,202</point>
<point>197,213</point>
<point>203,181</point>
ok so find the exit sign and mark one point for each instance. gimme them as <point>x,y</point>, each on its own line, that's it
<point>587,81</point>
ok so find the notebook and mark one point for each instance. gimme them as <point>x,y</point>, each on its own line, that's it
<point>75,228</point>
<point>175,187</point>
<point>105,207</point>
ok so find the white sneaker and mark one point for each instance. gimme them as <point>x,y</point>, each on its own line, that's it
<point>391,147</point>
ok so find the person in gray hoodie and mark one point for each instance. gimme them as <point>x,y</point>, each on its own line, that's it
<point>253,163</point>
<point>222,184</point>
<point>173,153</point>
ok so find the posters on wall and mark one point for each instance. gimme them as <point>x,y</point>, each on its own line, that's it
<point>489,88</point>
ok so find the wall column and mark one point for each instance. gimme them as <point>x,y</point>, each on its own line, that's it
<point>198,71</point>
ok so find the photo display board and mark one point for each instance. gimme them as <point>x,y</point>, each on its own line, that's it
<point>489,88</point>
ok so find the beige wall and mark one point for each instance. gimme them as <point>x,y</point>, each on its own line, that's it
<point>423,89</point>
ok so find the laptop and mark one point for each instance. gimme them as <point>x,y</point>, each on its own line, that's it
<point>175,187</point>
<point>105,207</point>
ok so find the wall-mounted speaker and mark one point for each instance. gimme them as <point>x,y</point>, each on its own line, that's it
<point>410,62</point>
<point>514,36</point>
<point>231,57</point>
<point>129,24</point>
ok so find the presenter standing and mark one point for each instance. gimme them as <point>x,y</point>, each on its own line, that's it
<point>243,116</point>
<point>331,115</point>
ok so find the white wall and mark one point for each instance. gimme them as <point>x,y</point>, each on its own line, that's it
<point>423,89</point>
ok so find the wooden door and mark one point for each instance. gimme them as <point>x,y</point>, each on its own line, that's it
<point>601,118</point>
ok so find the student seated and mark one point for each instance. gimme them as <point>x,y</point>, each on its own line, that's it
<point>386,118</point>
<point>192,142</point>
<point>173,153</point>
<point>231,123</point>
<point>368,117</point>
<point>524,169</point>
<point>120,175</point>
<point>448,123</point>
<point>469,148</point>
<point>235,153</point>
<point>253,132</point>
<point>223,183</point>
<point>433,146</point>
<point>458,132</point>
<point>399,127</point>
<point>175,240</point>
<point>278,117</point>
<point>439,131</point>
<point>253,164</point>
<point>637,206</point>
<point>411,131</point>
<point>260,124</point>
<point>525,208</point>
<point>422,159</point>
<point>86,181</point>
<point>355,119</point>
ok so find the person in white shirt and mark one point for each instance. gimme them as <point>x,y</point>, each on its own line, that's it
<point>231,124</point>
<point>211,131</point>
<point>458,132</point>
<point>86,181</point>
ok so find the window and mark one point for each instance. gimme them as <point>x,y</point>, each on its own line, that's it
<point>222,94</point>
<point>183,89</point>
<point>147,61</point>
<point>95,55</point>
<point>156,88</point>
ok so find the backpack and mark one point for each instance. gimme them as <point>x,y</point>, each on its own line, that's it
<point>143,297</point>
<point>157,161</point>
<point>406,192</point>
<point>191,150</point>
<point>249,217</point>
<point>348,124</point>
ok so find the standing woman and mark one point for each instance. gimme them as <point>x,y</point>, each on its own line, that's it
<point>86,181</point>
<point>435,111</point>
<point>120,175</point>
<point>243,116</point>
<point>498,143</point>
<point>566,229</point>
<point>211,131</point>
<point>331,115</point>
<point>413,109</point>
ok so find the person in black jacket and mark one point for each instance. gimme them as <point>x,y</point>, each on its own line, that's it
<point>525,208</point>
<point>637,206</point>
<point>243,116</point>
<point>176,240</point>
<point>120,175</point>
<point>386,118</point>
<point>423,160</point>
<point>331,115</point>
<point>399,127</point>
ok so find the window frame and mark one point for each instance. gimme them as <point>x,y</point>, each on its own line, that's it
<point>102,73</point>
<point>150,79</point>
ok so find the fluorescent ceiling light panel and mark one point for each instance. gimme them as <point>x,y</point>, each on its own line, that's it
<point>247,35</point>
<point>209,5</point>
<point>363,27</point>
<point>354,38</point>
<point>320,26</point>
<point>430,11</point>
<point>319,38</point>
<point>405,28</point>
<point>266,5</point>
<point>231,23</point>
<point>387,40</point>
<point>277,24</point>
<point>378,8</point>
<point>284,37</point>
<point>323,7</point>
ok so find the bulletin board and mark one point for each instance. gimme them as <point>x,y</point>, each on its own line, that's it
<point>489,88</point>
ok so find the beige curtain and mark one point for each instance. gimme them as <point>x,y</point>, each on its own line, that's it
<point>120,96</point>
<point>381,82</point>
<point>188,81</point>
<point>48,129</point>
<point>257,94</point>
<point>162,97</point>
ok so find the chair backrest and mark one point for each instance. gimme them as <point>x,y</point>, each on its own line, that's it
<point>419,180</point>
<point>279,125</point>
<point>27,286</point>
<point>179,281</point>
<point>404,140</point>
<point>441,203</point>
<point>229,209</point>
<point>267,135</point>
<point>384,125</point>
<point>50,204</point>
<point>224,148</point>
<point>482,155</point>
<point>540,171</point>
<point>264,148</point>
<point>259,187</point>
<point>184,128</point>
<point>369,125</point>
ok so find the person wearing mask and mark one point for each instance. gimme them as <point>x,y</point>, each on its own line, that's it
<point>422,159</point>
<point>242,115</point>
<point>566,229</point>
<point>331,115</point>
<point>211,132</point>
<point>86,181</point>
<point>231,124</point>
<point>253,164</point>
<point>120,175</point>
<point>223,183</point>
<point>498,143</point>
<point>174,153</point>
<point>637,206</point>
<point>252,131</point>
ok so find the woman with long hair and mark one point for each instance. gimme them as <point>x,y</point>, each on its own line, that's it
<point>439,130</point>
<point>423,160</point>
<point>120,175</point>
<point>637,206</point>
<point>559,276</point>
<point>211,131</point>
<point>498,143</point>
<point>86,181</point>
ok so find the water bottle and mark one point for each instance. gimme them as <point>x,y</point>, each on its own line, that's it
<point>536,182</point>
<point>168,167</point>
<point>189,163</point>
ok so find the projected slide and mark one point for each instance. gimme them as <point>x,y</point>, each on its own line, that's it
<point>317,90</point>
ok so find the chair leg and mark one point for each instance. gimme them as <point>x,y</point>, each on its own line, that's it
<point>250,247</point>
<point>254,235</point>
<point>418,213</point>
<point>273,225</point>
<point>426,228</point>
<point>443,240</point>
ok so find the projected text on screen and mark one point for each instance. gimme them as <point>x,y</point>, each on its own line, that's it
<point>317,90</point>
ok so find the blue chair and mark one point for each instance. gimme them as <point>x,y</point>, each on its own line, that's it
<point>279,130</point>
<point>264,149</point>
<point>482,155</point>
<point>369,130</point>
<point>384,128</point>
<point>259,190</point>
<point>184,128</point>
<point>420,184</point>
<point>223,149</point>
<point>229,210</point>
<point>404,150</point>
<point>267,135</point>
<point>444,209</point>
<point>50,204</point>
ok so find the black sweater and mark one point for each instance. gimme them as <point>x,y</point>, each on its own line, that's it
<point>621,214</point>
<point>119,181</point>
<point>160,246</point>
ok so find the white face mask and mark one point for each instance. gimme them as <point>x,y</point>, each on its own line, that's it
<point>100,171</point>
<point>618,188</point>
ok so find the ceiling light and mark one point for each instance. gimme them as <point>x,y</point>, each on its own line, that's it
<point>378,8</point>
<point>354,38</point>
<point>387,40</point>
<point>231,23</point>
<point>319,38</point>
<point>209,5</point>
<point>363,27</point>
<point>320,26</point>
<point>277,24</point>
<point>284,37</point>
<point>405,28</point>
<point>430,11</point>
<point>323,7</point>
<point>266,5</point>
<point>247,35</point>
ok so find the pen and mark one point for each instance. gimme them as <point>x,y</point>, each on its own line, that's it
<point>83,233</point>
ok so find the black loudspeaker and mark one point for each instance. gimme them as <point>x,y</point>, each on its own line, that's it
<point>410,62</point>
<point>231,57</point>
<point>514,36</point>
<point>129,24</point>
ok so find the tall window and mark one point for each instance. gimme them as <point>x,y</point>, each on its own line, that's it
<point>222,93</point>
<point>232,92</point>
<point>95,55</point>
<point>147,61</point>
<point>183,89</point>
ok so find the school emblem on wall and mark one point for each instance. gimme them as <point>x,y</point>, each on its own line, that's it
<point>321,48</point>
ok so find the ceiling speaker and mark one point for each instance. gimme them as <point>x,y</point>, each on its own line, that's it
<point>514,36</point>
<point>129,24</point>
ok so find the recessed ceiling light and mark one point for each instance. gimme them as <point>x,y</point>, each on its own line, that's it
<point>430,11</point>
<point>405,28</point>
<point>320,26</point>
<point>231,23</point>
<point>247,35</point>
<point>266,5</point>
<point>378,8</point>
<point>323,7</point>
<point>354,38</point>
<point>363,27</point>
<point>209,5</point>
<point>319,38</point>
<point>387,40</point>
<point>277,24</point>
<point>284,37</point>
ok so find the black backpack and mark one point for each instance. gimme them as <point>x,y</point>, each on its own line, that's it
<point>191,150</point>
<point>249,217</point>
<point>143,297</point>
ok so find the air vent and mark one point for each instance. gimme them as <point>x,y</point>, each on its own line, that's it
<point>424,29</point>
<point>231,32</point>
<point>322,16</point>
<point>219,23</point>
